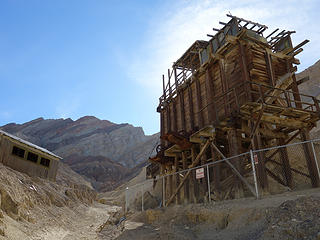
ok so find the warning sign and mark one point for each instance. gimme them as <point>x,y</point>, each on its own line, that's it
<point>255,158</point>
<point>199,173</point>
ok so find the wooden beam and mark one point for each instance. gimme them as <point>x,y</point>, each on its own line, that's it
<point>261,168</point>
<point>216,171</point>
<point>182,111</point>
<point>275,177</point>
<point>234,143</point>
<point>315,181</point>
<point>285,163</point>
<point>186,185</point>
<point>191,107</point>
<point>284,83</point>
<point>270,69</point>
<point>265,132</point>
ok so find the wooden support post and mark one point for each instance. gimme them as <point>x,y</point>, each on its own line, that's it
<point>235,149</point>
<point>177,177</point>
<point>203,181</point>
<point>170,182</point>
<point>162,172</point>
<point>195,188</point>
<point>175,78</point>
<point>190,100</point>
<point>224,86</point>
<point>210,96</point>
<point>261,168</point>
<point>174,117</point>
<point>216,172</point>
<point>170,90</point>
<point>182,112</point>
<point>161,127</point>
<point>164,87</point>
<point>312,167</point>
<point>168,118</point>
<point>186,185</point>
<point>285,163</point>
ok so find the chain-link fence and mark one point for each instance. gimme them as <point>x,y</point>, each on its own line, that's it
<point>256,173</point>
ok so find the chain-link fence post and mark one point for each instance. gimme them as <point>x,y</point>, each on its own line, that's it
<point>254,173</point>
<point>315,158</point>
<point>126,200</point>
<point>208,178</point>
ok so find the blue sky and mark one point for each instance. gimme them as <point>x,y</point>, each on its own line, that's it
<point>61,59</point>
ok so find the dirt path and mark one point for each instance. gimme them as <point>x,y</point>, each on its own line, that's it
<point>60,223</point>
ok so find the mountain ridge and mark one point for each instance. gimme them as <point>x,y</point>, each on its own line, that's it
<point>90,146</point>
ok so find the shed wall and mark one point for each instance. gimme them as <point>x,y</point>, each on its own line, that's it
<point>23,165</point>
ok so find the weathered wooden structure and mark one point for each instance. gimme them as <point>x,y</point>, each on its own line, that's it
<point>225,96</point>
<point>26,157</point>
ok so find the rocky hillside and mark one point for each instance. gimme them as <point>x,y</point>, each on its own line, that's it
<point>102,151</point>
<point>33,208</point>
<point>311,87</point>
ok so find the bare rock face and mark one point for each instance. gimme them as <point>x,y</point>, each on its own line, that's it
<point>101,151</point>
<point>311,87</point>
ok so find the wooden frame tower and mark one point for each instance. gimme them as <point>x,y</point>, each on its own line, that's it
<point>225,96</point>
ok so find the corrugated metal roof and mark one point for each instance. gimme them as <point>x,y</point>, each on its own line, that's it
<point>28,143</point>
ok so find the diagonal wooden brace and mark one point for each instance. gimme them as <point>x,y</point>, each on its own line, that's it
<point>234,169</point>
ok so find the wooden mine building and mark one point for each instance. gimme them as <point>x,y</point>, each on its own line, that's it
<point>26,157</point>
<point>225,96</point>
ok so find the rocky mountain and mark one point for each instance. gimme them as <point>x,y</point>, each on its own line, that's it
<point>312,86</point>
<point>102,151</point>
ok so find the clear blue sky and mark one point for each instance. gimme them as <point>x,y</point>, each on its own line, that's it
<point>61,59</point>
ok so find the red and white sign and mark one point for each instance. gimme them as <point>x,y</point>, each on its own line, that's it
<point>255,158</point>
<point>199,173</point>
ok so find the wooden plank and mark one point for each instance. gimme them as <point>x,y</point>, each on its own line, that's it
<point>177,177</point>
<point>191,107</point>
<point>199,103</point>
